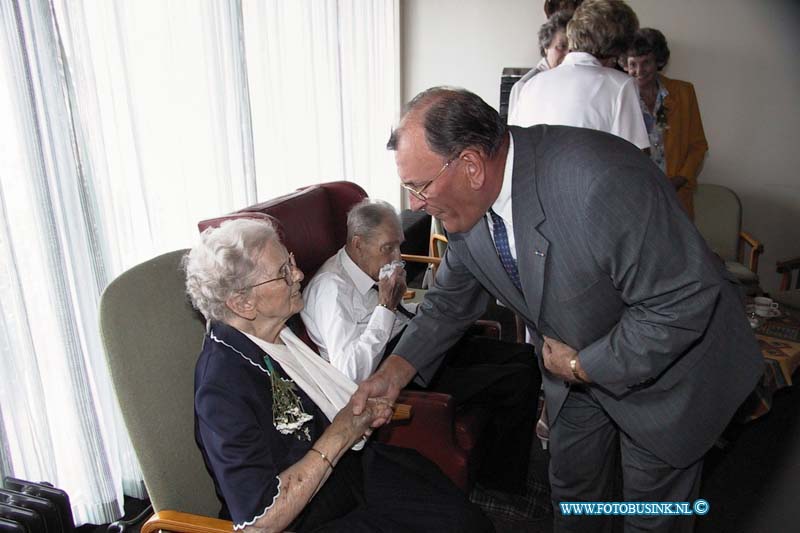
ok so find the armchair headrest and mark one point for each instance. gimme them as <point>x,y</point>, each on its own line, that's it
<point>311,221</point>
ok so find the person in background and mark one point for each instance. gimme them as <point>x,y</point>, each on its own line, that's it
<point>552,45</point>
<point>356,316</point>
<point>272,418</point>
<point>672,116</point>
<point>582,92</point>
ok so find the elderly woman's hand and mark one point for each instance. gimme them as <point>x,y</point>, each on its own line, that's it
<point>353,427</point>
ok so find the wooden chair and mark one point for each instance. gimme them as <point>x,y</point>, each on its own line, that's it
<point>718,217</point>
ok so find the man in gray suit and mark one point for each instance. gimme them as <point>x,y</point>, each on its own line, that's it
<point>643,342</point>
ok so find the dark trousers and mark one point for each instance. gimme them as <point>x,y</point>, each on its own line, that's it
<point>504,378</point>
<point>586,449</point>
<point>388,489</point>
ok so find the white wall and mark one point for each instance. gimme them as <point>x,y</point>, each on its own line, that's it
<point>743,57</point>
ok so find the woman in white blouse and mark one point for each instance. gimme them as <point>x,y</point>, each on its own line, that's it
<point>582,91</point>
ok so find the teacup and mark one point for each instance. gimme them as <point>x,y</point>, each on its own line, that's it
<point>765,306</point>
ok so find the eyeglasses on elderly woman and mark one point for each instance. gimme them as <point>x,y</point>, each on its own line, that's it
<point>286,273</point>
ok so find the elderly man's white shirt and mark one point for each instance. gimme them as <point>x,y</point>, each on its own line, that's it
<point>583,93</point>
<point>343,317</point>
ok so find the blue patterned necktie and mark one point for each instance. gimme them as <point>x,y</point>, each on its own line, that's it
<point>503,249</point>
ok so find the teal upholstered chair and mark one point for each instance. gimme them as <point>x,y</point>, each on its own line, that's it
<point>718,217</point>
<point>152,337</point>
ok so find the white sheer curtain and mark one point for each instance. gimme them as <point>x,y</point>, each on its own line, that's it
<point>124,123</point>
<point>325,92</point>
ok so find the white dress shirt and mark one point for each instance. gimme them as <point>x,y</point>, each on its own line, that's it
<point>581,92</point>
<point>502,205</point>
<point>343,317</point>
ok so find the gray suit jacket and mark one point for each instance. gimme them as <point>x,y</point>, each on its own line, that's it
<point>611,266</point>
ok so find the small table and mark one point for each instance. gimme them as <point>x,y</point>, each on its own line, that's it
<point>779,340</point>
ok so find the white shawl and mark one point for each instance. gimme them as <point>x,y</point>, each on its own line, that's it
<point>327,387</point>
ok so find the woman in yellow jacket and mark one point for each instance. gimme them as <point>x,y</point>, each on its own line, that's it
<point>677,141</point>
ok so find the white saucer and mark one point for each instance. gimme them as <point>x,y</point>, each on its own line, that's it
<point>771,314</point>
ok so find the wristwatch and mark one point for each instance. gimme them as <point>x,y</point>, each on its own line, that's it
<point>573,365</point>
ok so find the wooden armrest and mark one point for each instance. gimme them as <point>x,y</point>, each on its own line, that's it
<point>421,259</point>
<point>185,523</point>
<point>432,247</point>
<point>756,248</point>
<point>402,411</point>
<point>433,416</point>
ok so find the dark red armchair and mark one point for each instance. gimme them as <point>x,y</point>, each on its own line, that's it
<point>312,224</point>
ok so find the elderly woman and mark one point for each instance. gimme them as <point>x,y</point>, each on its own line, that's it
<point>582,92</point>
<point>553,48</point>
<point>272,418</point>
<point>672,116</point>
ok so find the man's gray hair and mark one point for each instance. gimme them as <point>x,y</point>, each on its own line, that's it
<point>225,260</point>
<point>454,119</point>
<point>367,215</point>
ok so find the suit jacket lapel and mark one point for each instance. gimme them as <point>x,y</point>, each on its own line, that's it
<point>527,211</point>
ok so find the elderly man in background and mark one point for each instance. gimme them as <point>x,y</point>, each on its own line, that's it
<point>582,91</point>
<point>644,345</point>
<point>356,316</point>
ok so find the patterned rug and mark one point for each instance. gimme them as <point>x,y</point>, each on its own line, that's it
<point>530,512</point>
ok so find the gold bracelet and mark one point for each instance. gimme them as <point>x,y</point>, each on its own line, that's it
<point>324,457</point>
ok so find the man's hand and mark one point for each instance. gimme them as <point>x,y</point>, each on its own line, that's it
<point>392,288</point>
<point>557,356</point>
<point>352,427</point>
<point>385,384</point>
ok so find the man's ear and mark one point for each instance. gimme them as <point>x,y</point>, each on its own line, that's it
<point>242,305</point>
<point>475,168</point>
<point>357,244</point>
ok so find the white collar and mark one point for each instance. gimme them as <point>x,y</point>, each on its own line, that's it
<point>502,205</point>
<point>361,279</point>
<point>581,58</point>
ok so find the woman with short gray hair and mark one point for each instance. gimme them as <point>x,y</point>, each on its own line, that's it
<point>274,421</point>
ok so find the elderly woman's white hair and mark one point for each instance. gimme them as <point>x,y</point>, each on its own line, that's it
<point>223,262</point>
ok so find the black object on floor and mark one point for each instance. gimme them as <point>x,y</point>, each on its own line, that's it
<point>49,504</point>
<point>134,508</point>
<point>46,509</point>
